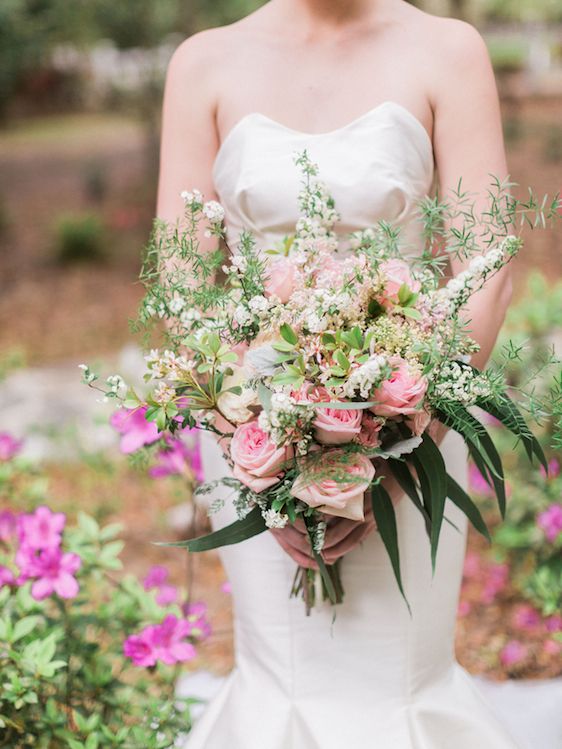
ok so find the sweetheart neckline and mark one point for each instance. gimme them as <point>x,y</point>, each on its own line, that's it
<point>304,134</point>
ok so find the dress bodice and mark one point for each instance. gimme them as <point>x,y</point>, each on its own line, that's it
<point>376,167</point>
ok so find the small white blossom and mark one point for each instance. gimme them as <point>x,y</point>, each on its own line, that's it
<point>274,519</point>
<point>242,315</point>
<point>213,211</point>
<point>258,304</point>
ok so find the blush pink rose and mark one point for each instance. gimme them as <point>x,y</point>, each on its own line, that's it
<point>332,426</point>
<point>340,493</point>
<point>419,421</point>
<point>282,277</point>
<point>396,273</point>
<point>401,393</point>
<point>258,462</point>
<point>370,428</point>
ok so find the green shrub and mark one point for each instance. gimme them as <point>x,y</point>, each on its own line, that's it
<point>80,237</point>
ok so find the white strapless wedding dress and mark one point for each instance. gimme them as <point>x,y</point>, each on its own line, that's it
<point>375,678</point>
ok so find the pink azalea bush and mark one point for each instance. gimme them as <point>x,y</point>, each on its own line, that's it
<point>68,617</point>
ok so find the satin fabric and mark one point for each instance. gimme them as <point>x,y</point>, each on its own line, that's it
<point>365,674</point>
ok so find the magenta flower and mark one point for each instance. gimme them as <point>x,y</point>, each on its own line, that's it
<point>226,587</point>
<point>6,576</point>
<point>155,577</point>
<point>136,431</point>
<point>553,469</point>
<point>173,459</point>
<point>550,522</point>
<point>163,642</point>
<point>166,595</point>
<point>41,529</point>
<point>526,617</point>
<point>8,525</point>
<point>9,446</point>
<point>179,455</point>
<point>478,483</point>
<point>196,614</point>
<point>53,571</point>
<point>554,623</point>
<point>496,581</point>
<point>512,653</point>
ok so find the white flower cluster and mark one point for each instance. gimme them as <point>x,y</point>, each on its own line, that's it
<point>259,305</point>
<point>213,211</point>
<point>458,289</point>
<point>163,394</point>
<point>283,416</point>
<point>168,364</point>
<point>274,519</point>
<point>461,384</point>
<point>191,198</point>
<point>366,377</point>
<point>116,384</point>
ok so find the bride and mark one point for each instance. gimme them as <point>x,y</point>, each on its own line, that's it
<point>391,103</point>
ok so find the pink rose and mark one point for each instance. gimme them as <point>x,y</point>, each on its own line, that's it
<point>419,421</point>
<point>282,278</point>
<point>342,492</point>
<point>396,273</point>
<point>258,462</point>
<point>370,428</point>
<point>401,393</point>
<point>333,426</point>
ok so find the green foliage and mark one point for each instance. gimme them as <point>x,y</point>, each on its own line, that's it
<point>508,55</point>
<point>536,562</point>
<point>79,237</point>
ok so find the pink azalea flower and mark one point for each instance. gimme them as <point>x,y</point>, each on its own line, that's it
<point>173,459</point>
<point>553,623</point>
<point>526,617</point>
<point>136,431</point>
<point>478,483</point>
<point>9,446</point>
<point>41,529</point>
<point>464,608</point>
<point>166,595</point>
<point>8,525</point>
<point>498,575</point>
<point>156,576</point>
<point>163,642</point>
<point>550,522</point>
<point>6,576</point>
<point>54,571</point>
<point>226,587</point>
<point>512,653</point>
<point>553,469</point>
<point>196,614</point>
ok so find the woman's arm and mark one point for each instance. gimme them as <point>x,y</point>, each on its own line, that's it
<point>468,144</point>
<point>189,140</point>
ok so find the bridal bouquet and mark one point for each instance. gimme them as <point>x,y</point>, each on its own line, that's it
<point>321,363</point>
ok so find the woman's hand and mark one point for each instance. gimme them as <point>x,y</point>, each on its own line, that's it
<point>342,534</point>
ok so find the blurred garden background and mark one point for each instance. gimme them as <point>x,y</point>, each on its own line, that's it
<point>80,97</point>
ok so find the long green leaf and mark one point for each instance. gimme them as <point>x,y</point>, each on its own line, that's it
<point>385,517</point>
<point>481,448</point>
<point>240,530</point>
<point>432,475</point>
<point>506,411</point>
<point>402,474</point>
<point>460,498</point>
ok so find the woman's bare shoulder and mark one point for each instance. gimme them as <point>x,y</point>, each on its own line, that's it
<point>216,44</point>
